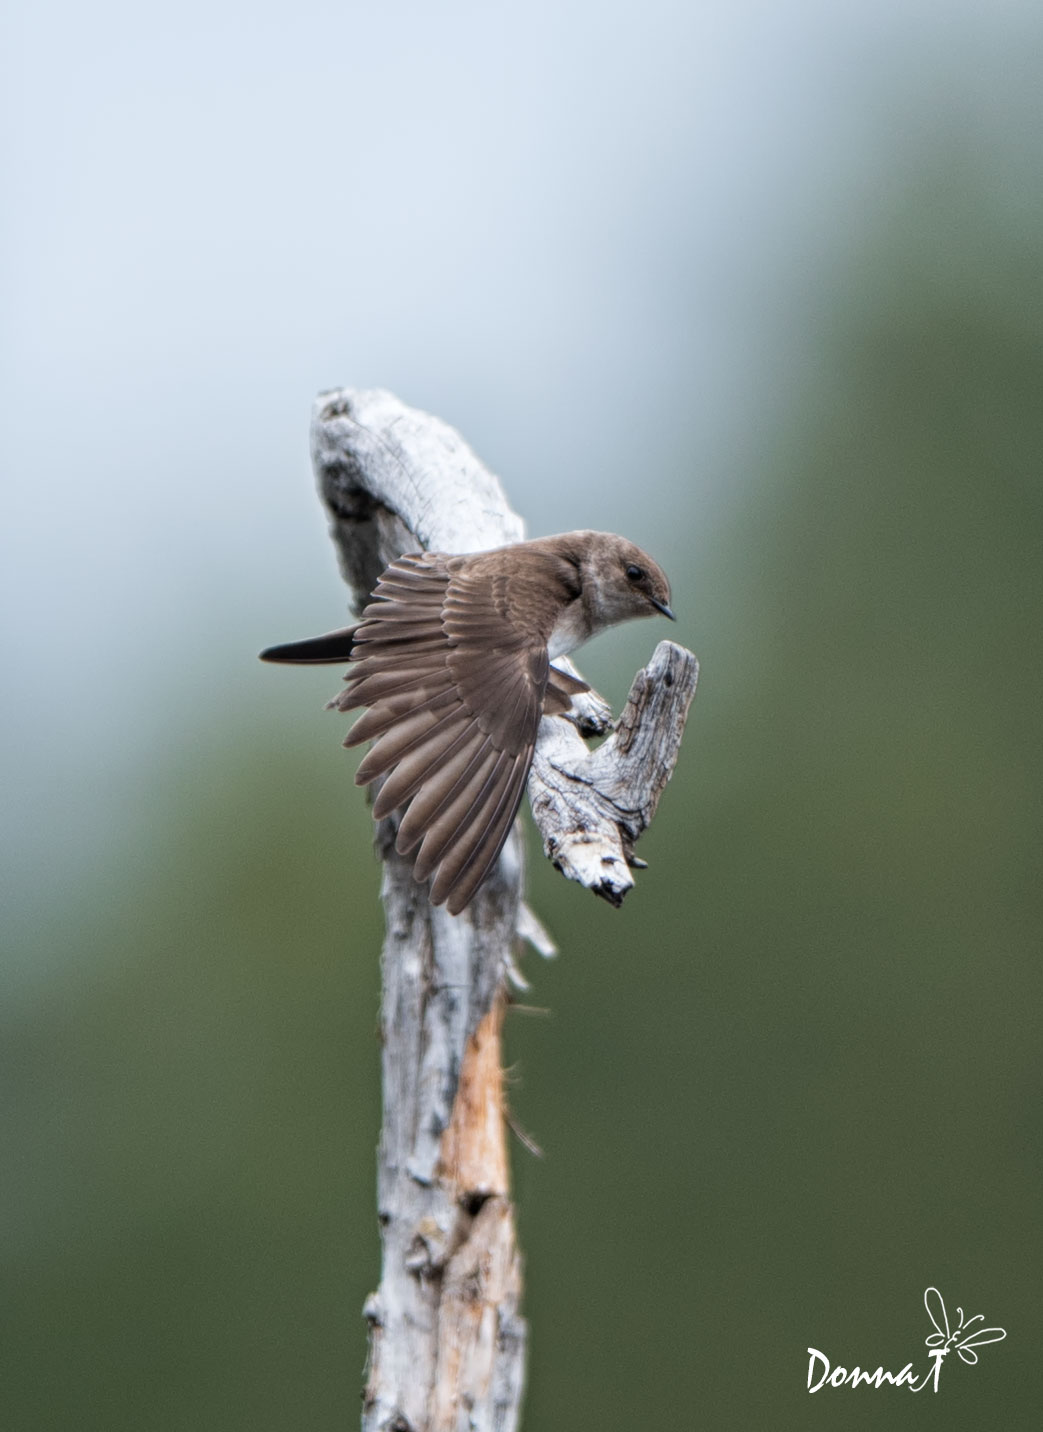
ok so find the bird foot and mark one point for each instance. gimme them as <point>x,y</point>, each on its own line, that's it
<point>591,715</point>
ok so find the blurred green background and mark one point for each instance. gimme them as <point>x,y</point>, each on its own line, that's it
<point>774,308</point>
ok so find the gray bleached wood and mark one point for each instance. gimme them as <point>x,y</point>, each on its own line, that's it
<point>591,807</point>
<point>447,1340</point>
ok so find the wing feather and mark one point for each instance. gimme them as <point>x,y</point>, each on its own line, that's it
<point>384,714</point>
<point>453,827</point>
<point>444,785</point>
<point>454,687</point>
<point>466,866</point>
<point>419,729</point>
<point>413,772</point>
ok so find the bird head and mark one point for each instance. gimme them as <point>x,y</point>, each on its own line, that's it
<point>623,581</point>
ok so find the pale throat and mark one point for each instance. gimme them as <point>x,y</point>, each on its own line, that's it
<point>571,630</point>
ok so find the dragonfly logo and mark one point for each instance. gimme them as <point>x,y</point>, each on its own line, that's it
<point>965,1337</point>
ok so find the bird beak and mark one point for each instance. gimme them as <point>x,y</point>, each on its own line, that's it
<point>662,607</point>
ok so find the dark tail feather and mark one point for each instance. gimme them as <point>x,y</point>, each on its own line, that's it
<point>333,646</point>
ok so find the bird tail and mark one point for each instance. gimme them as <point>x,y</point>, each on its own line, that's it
<point>333,646</point>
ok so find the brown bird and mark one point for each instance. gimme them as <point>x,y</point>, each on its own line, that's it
<point>453,657</point>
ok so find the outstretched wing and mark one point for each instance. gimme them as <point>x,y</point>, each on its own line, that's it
<point>454,689</point>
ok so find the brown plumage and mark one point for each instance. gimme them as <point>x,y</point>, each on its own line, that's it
<point>452,661</point>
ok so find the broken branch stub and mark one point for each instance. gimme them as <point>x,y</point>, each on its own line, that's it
<point>591,807</point>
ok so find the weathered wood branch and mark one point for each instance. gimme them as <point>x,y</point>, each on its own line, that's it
<point>591,807</point>
<point>447,1342</point>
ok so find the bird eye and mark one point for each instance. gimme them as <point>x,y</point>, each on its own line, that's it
<point>634,574</point>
